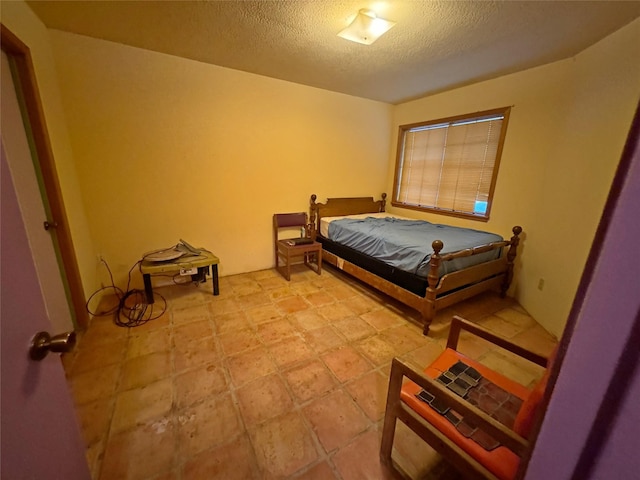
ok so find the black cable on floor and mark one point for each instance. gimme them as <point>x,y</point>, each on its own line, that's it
<point>132,309</point>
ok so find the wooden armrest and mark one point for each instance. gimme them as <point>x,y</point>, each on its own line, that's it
<point>459,323</point>
<point>471,413</point>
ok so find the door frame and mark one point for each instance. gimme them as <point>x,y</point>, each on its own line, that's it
<point>20,55</point>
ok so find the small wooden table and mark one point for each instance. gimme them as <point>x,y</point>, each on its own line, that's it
<point>202,262</point>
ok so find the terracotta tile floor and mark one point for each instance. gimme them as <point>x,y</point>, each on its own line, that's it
<point>270,379</point>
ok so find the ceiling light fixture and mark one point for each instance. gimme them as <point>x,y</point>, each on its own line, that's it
<point>366,28</point>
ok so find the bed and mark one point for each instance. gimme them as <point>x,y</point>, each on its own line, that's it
<point>440,278</point>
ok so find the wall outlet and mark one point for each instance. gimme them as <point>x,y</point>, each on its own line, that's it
<point>541,284</point>
<point>188,271</point>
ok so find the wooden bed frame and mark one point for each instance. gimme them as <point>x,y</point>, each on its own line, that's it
<point>442,291</point>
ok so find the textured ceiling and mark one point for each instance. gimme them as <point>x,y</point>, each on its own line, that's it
<point>435,46</point>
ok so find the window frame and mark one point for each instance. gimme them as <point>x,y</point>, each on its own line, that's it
<point>404,129</point>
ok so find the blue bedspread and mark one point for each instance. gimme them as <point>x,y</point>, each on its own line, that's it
<point>406,244</point>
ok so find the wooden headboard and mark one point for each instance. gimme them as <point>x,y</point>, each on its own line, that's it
<point>343,206</point>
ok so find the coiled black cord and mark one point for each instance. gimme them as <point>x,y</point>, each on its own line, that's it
<point>132,309</point>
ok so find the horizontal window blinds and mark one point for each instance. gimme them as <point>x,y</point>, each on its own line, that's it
<point>449,166</point>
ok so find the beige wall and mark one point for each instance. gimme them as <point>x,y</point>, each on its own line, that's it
<point>18,18</point>
<point>169,148</point>
<point>566,132</point>
<point>161,148</point>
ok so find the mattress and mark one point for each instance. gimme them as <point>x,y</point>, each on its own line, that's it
<point>406,280</point>
<point>405,244</point>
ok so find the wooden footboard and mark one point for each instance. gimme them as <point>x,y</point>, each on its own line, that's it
<point>442,291</point>
<point>466,283</point>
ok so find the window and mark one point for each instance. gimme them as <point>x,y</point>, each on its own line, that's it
<point>450,166</point>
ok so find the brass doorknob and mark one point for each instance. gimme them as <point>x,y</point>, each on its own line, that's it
<point>43,343</point>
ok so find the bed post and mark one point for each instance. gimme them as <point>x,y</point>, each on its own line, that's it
<point>383,202</point>
<point>429,311</point>
<point>312,215</point>
<point>511,256</point>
